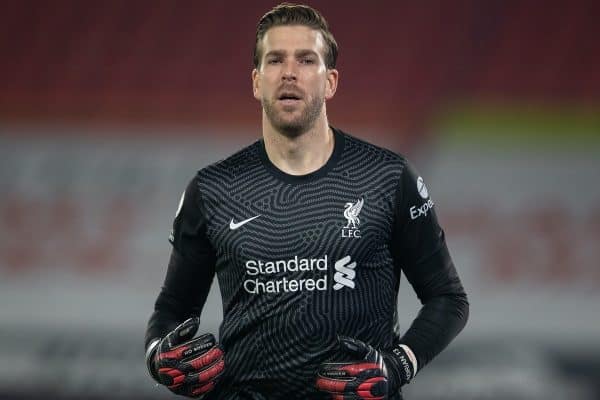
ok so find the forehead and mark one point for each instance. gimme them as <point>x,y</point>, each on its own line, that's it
<point>291,38</point>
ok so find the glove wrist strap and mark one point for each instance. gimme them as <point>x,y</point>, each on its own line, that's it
<point>402,367</point>
<point>411,357</point>
<point>150,352</point>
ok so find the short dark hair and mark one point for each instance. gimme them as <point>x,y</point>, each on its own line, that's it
<point>296,14</point>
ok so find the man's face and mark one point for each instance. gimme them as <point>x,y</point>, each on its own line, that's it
<point>292,81</point>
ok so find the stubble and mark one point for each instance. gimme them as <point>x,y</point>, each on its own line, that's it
<point>293,127</point>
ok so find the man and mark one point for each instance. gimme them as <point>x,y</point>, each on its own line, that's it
<point>308,231</point>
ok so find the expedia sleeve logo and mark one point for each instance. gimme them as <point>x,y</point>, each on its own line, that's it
<point>416,212</point>
<point>422,210</point>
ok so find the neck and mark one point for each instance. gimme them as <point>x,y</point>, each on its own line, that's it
<point>302,154</point>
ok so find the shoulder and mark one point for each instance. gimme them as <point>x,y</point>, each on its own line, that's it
<point>224,170</point>
<point>360,150</point>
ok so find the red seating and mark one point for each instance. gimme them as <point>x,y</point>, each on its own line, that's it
<point>190,61</point>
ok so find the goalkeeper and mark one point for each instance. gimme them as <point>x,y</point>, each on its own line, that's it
<point>308,231</point>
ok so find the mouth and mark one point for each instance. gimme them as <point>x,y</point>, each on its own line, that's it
<point>289,98</point>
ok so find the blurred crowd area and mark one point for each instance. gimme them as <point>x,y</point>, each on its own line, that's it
<point>402,63</point>
<point>108,108</point>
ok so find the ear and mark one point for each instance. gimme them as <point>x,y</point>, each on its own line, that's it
<point>256,90</point>
<point>331,84</point>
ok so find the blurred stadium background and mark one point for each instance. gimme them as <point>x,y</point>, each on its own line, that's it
<point>108,107</point>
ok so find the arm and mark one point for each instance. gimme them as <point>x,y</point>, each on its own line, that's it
<point>189,274</point>
<point>419,249</point>
<point>183,294</point>
<point>191,268</point>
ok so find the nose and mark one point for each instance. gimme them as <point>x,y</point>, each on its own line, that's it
<point>289,72</point>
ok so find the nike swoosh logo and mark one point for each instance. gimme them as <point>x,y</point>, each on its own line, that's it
<point>233,225</point>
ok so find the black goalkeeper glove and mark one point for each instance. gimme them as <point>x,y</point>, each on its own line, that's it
<point>188,367</point>
<point>372,376</point>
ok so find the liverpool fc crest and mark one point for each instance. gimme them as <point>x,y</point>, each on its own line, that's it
<point>353,221</point>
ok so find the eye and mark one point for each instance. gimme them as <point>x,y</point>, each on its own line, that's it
<point>307,61</point>
<point>273,61</point>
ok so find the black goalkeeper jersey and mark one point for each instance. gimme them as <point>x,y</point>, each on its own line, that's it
<point>302,259</point>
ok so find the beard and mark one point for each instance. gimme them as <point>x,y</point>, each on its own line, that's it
<point>298,125</point>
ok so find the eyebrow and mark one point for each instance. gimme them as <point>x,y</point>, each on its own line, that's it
<point>298,53</point>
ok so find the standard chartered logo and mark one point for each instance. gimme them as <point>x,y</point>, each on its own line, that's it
<point>289,275</point>
<point>345,273</point>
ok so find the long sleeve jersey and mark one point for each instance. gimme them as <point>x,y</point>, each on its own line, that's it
<point>302,259</point>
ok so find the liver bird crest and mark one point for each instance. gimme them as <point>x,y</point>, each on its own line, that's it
<point>351,213</point>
